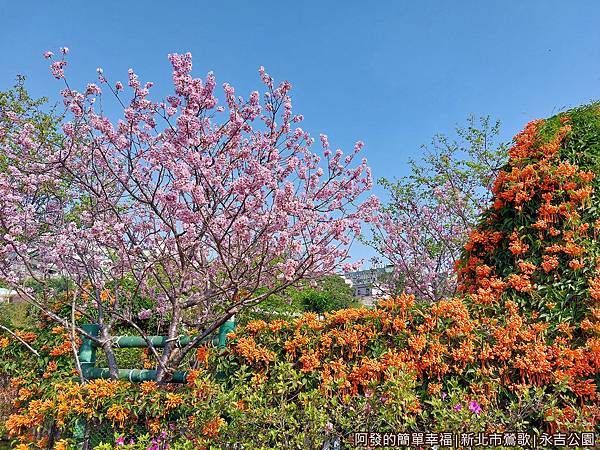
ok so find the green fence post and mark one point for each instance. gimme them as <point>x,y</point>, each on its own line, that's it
<point>87,350</point>
<point>224,329</point>
<point>87,360</point>
<point>79,433</point>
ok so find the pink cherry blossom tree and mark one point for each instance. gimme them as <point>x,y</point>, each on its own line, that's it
<point>426,223</point>
<point>199,208</point>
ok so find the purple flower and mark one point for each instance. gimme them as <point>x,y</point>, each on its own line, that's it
<point>458,407</point>
<point>145,314</point>
<point>120,440</point>
<point>444,395</point>
<point>474,407</point>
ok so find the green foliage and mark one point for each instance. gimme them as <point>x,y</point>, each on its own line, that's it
<point>280,413</point>
<point>332,293</point>
<point>17,109</point>
<point>467,164</point>
<point>328,293</point>
<point>278,306</point>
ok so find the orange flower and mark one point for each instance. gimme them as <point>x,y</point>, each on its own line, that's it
<point>63,444</point>
<point>566,169</point>
<point>149,364</point>
<point>415,407</point>
<point>594,288</point>
<point>104,295</point>
<point>498,204</point>
<point>118,414</point>
<point>154,425</point>
<point>554,232</point>
<point>99,389</point>
<point>417,342</point>
<point>259,378</point>
<point>573,249</point>
<point>310,362</point>
<point>434,388</point>
<point>520,283</point>
<point>483,271</point>
<point>583,228</point>
<point>202,355</point>
<point>211,429</point>
<point>403,302</point>
<point>240,405</point>
<point>568,413</point>
<point>256,325</point>
<point>325,340</point>
<point>146,387</point>
<point>464,353</point>
<point>548,212</point>
<point>26,336</point>
<point>527,267</point>
<point>172,401</point>
<point>230,336</point>
<point>24,394</point>
<point>276,325</point>
<point>517,247</point>
<point>17,424</point>
<point>563,327</point>
<point>4,342</point>
<point>549,263</point>
<point>583,388</point>
<point>525,140</point>
<point>298,341</point>
<point>581,194</point>
<point>62,349</point>
<point>575,264</point>
<point>247,348</point>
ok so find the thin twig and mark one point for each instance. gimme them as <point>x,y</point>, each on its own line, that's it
<point>33,350</point>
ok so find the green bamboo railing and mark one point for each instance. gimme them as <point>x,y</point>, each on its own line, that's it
<point>87,353</point>
<point>87,360</point>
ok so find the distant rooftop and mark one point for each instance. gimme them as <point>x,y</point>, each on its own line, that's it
<point>370,272</point>
<point>4,292</point>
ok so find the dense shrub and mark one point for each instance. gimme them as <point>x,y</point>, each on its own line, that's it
<point>518,349</point>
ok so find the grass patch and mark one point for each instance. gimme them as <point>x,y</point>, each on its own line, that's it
<point>17,315</point>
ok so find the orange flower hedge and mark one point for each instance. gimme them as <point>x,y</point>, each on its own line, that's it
<point>528,308</point>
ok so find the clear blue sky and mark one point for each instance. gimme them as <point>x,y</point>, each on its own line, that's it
<point>390,73</point>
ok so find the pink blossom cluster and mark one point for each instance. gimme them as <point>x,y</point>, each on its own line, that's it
<point>200,204</point>
<point>423,240</point>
